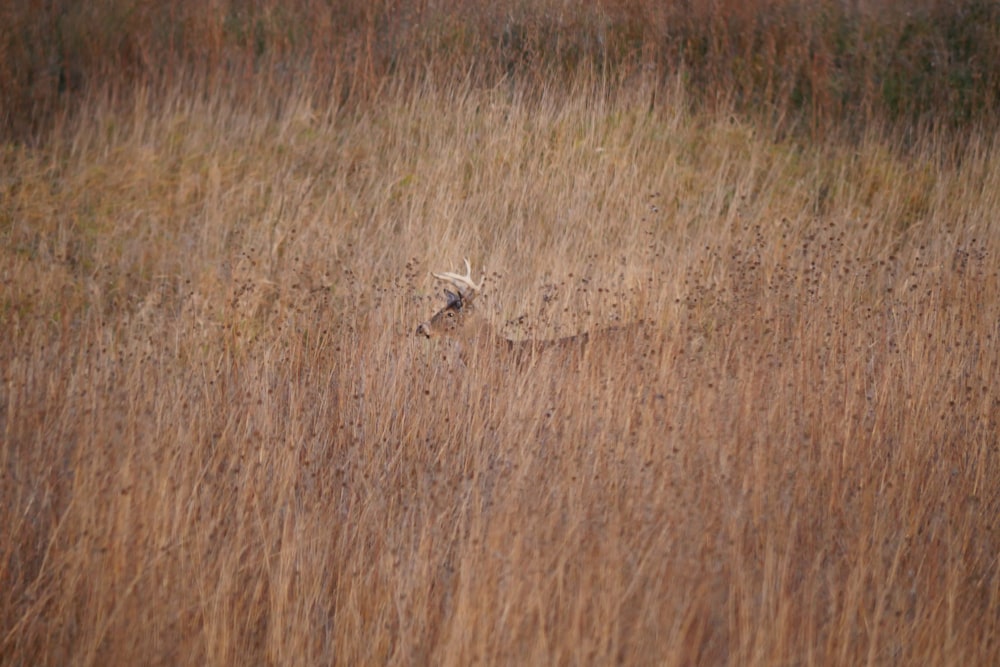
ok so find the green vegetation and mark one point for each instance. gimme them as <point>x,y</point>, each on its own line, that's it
<point>222,443</point>
<point>811,64</point>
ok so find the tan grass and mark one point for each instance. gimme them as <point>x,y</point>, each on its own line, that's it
<point>221,442</point>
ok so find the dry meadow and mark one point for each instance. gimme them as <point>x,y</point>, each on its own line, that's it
<point>222,443</point>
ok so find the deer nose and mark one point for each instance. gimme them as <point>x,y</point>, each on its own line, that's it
<point>423,330</point>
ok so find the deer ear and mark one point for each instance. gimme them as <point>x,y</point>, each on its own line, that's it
<point>453,299</point>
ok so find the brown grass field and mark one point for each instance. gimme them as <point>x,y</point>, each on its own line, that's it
<point>222,443</point>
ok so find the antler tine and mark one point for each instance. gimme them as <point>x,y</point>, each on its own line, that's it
<point>460,281</point>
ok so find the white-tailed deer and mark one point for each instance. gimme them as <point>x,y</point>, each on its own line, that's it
<point>462,323</point>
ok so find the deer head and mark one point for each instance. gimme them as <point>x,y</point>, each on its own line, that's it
<point>459,318</point>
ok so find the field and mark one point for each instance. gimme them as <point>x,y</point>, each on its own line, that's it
<point>221,441</point>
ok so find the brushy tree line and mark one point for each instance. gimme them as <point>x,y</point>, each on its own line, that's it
<point>810,64</point>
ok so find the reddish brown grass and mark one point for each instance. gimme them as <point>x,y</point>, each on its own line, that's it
<point>810,66</point>
<point>222,443</point>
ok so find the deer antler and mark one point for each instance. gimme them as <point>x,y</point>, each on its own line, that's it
<point>461,282</point>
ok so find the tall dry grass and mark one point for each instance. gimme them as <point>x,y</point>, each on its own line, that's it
<point>222,444</point>
<point>810,65</point>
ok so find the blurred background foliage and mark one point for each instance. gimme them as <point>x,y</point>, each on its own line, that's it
<point>806,65</point>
